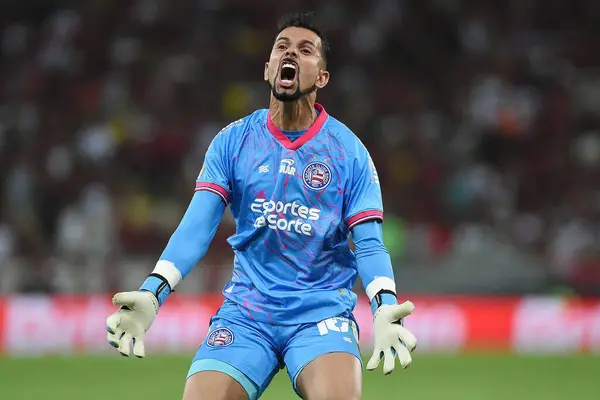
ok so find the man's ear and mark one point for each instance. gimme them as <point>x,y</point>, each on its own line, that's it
<point>266,73</point>
<point>322,79</point>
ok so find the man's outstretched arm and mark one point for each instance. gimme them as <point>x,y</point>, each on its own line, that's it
<point>377,275</point>
<point>185,249</point>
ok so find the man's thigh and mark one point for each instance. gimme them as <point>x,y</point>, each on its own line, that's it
<point>333,376</point>
<point>214,385</point>
<point>239,356</point>
<point>323,360</point>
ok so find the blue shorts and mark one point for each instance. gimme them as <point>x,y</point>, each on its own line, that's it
<point>252,352</point>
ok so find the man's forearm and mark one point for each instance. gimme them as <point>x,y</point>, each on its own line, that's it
<point>188,244</point>
<point>374,264</point>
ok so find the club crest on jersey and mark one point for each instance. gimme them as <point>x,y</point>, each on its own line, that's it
<point>316,175</point>
<point>220,337</point>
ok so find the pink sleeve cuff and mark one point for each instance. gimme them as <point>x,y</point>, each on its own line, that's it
<point>214,188</point>
<point>363,217</point>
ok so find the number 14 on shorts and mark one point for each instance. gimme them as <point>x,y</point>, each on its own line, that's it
<point>338,324</point>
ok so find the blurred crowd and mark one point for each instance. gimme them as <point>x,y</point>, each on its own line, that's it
<point>483,118</point>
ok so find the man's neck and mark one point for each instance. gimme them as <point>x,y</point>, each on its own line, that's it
<point>294,115</point>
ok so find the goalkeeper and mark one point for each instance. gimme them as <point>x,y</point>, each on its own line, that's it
<point>298,183</point>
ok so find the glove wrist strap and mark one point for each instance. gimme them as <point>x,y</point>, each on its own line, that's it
<point>383,297</point>
<point>158,286</point>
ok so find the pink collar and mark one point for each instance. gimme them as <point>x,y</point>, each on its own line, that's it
<point>306,136</point>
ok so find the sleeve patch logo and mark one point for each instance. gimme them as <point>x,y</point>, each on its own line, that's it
<point>220,337</point>
<point>316,176</point>
<point>374,175</point>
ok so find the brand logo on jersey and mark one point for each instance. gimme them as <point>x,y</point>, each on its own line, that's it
<point>274,215</point>
<point>220,337</point>
<point>263,169</point>
<point>286,167</point>
<point>316,175</point>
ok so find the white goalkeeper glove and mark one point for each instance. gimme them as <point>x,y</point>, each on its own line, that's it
<point>391,338</point>
<point>130,323</point>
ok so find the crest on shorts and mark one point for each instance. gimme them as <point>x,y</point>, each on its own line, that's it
<point>220,337</point>
<point>316,175</point>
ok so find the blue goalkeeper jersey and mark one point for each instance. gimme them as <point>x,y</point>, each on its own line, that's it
<point>294,204</point>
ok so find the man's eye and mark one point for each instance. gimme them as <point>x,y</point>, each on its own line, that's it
<point>306,51</point>
<point>281,47</point>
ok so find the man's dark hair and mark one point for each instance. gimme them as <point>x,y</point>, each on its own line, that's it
<point>307,21</point>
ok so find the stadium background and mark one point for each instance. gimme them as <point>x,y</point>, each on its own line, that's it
<point>483,118</point>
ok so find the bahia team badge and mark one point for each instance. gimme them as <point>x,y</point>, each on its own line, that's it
<point>220,337</point>
<point>316,175</point>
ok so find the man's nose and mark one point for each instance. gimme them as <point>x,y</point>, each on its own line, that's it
<point>291,53</point>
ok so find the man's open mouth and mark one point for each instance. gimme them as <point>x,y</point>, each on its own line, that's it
<point>287,74</point>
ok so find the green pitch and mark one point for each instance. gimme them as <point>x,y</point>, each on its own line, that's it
<point>473,377</point>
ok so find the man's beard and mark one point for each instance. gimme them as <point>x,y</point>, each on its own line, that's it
<point>289,97</point>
